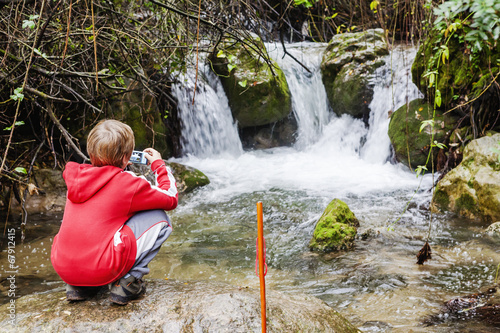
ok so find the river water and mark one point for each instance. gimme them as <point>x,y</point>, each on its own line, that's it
<point>377,285</point>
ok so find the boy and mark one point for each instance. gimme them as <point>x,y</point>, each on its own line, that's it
<point>114,222</point>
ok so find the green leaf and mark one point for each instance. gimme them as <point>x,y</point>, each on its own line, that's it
<point>221,54</point>
<point>37,51</point>
<point>432,78</point>
<point>28,24</point>
<point>419,170</point>
<point>230,67</point>
<point>439,145</point>
<point>425,123</point>
<point>18,94</point>
<point>373,5</point>
<point>243,83</point>
<point>21,170</point>
<point>437,99</point>
<point>445,54</point>
<point>231,58</point>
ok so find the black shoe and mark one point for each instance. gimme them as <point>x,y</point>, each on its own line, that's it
<point>126,289</point>
<point>74,293</point>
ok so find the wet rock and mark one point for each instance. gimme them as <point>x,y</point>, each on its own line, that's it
<point>171,306</point>
<point>483,306</point>
<point>336,229</point>
<point>187,178</point>
<point>493,230</point>
<point>139,109</point>
<point>473,188</point>
<point>411,146</point>
<point>257,94</point>
<point>348,62</point>
<point>49,196</point>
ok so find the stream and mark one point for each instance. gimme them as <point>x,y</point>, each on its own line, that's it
<point>377,285</point>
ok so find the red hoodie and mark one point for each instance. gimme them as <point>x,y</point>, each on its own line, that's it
<point>100,200</point>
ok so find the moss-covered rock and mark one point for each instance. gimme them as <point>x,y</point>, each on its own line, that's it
<point>187,178</point>
<point>411,146</point>
<point>258,93</point>
<point>138,109</point>
<point>336,229</point>
<point>465,76</point>
<point>473,188</point>
<point>348,62</point>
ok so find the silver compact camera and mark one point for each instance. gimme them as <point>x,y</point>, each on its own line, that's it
<point>138,157</point>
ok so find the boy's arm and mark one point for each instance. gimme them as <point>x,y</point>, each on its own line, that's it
<point>162,195</point>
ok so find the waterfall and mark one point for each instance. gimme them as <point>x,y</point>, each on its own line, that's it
<point>393,88</point>
<point>208,128</point>
<point>309,101</point>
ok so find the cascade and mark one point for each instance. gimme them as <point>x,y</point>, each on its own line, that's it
<point>393,88</point>
<point>208,128</point>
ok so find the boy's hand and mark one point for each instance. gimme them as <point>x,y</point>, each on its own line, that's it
<point>152,155</point>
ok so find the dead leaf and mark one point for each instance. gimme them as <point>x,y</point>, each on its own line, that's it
<point>424,254</point>
<point>32,189</point>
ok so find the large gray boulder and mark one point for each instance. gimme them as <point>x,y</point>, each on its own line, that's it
<point>348,63</point>
<point>171,306</point>
<point>473,188</point>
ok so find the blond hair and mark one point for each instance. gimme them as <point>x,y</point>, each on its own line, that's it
<point>109,141</point>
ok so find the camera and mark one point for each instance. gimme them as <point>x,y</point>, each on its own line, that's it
<point>138,157</point>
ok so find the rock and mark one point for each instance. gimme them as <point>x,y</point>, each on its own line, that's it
<point>257,94</point>
<point>138,108</point>
<point>50,194</point>
<point>171,306</point>
<point>473,188</point>
<point>461,75</point>
<point>347,65</point>
<point>493,229</point>
<point>483,306</point>
<point>336,229</point>
<point>411,146</point>
<point>187,178</point>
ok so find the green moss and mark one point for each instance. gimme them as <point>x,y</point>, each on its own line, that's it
<point>265,98</point>
<point>404,132</point>
<point>466,203</point>
<point>468,162</point>
<point>441,199</point>
<point>494,165</point>
<point>470,183</point>
<point>336,228</point>
<point>194,178</point>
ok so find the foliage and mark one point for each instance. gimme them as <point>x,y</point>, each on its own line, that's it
<point>479,18</point>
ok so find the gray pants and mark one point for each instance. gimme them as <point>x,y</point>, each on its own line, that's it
<point>151,228</point>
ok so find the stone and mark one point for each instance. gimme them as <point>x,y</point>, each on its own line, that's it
<point>473,188</point>
<point>336,229</point>
<point>175,306</point>
<point>256,89</point>
<point>348,63</point>
<point>411,146</point>
<point>493,229</point>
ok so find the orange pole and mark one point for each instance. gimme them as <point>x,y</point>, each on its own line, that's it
<point>260,246</point>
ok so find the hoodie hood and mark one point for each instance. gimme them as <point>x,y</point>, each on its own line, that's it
<point>85,180</point>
